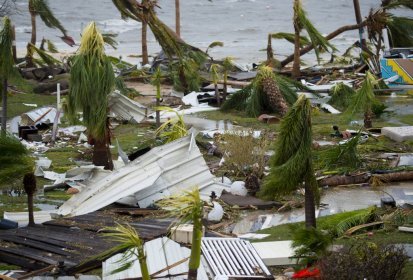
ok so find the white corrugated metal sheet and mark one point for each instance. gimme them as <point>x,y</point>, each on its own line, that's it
<point>234,258</point>
<point>162,171</point>
<point>44,115</point>
<point>125,108</point>
<point>160,253</point>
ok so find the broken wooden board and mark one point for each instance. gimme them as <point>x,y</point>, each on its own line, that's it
<point>74,241</point>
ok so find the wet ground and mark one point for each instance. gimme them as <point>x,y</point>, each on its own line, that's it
<point>334,200</point>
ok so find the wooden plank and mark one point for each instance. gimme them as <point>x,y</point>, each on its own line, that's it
<point>363,226</point>
<point>46,240</point>
<point>24,252</point>
<point>20,261</point>
<point>35,244</point>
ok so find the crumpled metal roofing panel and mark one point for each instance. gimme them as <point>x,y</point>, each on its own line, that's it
<point>234,258</point>
<point>162,171</point>
<point>126,108</point>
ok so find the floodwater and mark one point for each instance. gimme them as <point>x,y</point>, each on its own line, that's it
<point>242,25</point>
<point>334,200</point>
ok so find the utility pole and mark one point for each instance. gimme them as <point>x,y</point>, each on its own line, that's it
<point>359,21</point>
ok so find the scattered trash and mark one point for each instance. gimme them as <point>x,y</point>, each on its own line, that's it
<point>217,212</point>
<point>238,188</point>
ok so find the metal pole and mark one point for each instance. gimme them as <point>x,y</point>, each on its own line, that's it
<point>359,21</point>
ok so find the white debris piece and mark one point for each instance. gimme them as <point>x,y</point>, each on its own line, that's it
<point>238,188</point>
<point>71,130</point>
<point>160,253</point>
<point>22,218</point>
<point>162,171</point>
<point>126,109</point>
<point>82,138</point>
<point>399,134</point>
<point>330,109</point>
<point>275,252</point>
<point>216,214</point>
<point>191,99</point>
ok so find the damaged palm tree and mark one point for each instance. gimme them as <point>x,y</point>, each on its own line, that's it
<point>290,37</point>
<point>6,66</point>
<point>131,243</point>
<point>156,81</point>
<point>317,40</point>
<point>364,100</point>
<point>188,208</point>
<point>292,164</point>
<point>15,161</point>
<point>91,81</point>
<point>255,98</point>
<point>172,129</point>
<point>41,8</point>
<point>144,11</point>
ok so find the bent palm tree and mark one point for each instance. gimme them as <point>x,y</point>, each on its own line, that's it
<point>91,81</point>
<point>130,241</point>
<point>170,42</point>
<point>187,208</point>
<point>317,40</point>
<point>6,66</point>
<point>291,164</point>
<point>41,8</point>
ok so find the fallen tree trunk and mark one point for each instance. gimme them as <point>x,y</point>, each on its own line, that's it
<point>365,178</point>
<point>344,180</point>
<point>330,36</point>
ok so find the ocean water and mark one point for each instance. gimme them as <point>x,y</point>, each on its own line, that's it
<point>242,25</point>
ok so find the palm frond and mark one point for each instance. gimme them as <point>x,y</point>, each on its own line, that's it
<point>45,58</point>
<point>214,44</point>
<point>109,39</point>
<point>238,100</point>
<point>394,4</point>
<point>6,53</point>
<point>341,96</point>
<point>14,158</point>
<point>41,8</point>
<point>51,47</point>
<point>172,129</point>
<point>344,155</point>
<point>290,38</point>
<point>92,79</point>
<point>355,220</point>
<point>292,161</point>
<point>317,40</point>
<point>401,31</point>
<point>215,69</point>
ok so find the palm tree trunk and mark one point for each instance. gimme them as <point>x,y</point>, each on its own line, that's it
<point>101,154</point>
<point>225,90</point>
<point>145,58</point>
<point>195,257</point>
<point>29,183</point>
<point>270,52</point>
<point>367,118</point>
<point>177,18</point>
<point>296,64</point>
<point>34,34</point>
<point>158,113</point>
<point>143,264</point>
<point>4,106</point>
<point>217,95</point>
<point>310,220</point>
